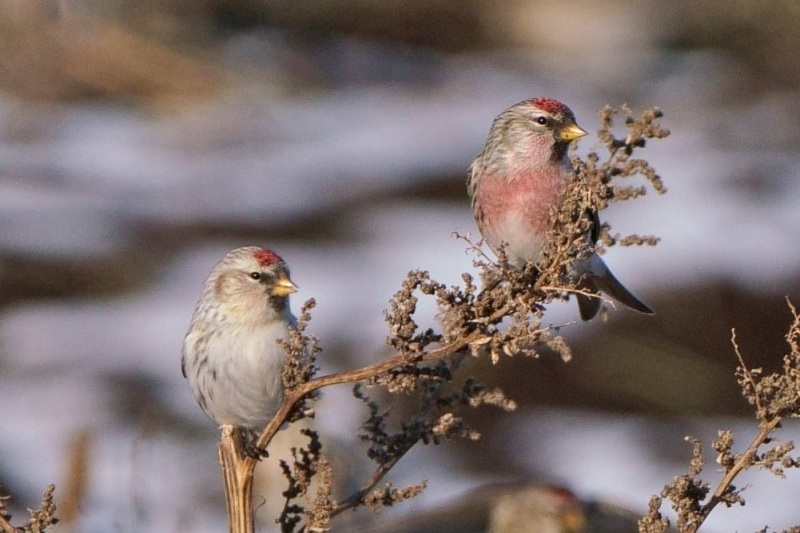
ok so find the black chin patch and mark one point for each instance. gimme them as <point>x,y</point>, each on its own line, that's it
<point>560,150</point>
<point>278,303</point>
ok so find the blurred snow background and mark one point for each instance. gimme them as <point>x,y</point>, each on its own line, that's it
<point>139,144</point>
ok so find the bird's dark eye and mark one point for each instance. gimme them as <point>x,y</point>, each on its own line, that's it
<point>541,120</point>
<point>255,275</point>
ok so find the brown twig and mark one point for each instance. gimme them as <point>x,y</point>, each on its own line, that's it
<point>748,379</point>
<point>471,321</point>
<point>744,462</point>
<point>355,499</point>
<point>41,518</point>
<point>383,468</point>
<point>775,398</point>
<point>6,526</point>
<point>354,376</point>
<point>238,468</point>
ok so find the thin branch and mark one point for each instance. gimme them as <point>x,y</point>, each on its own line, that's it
<point>745,461</point>
<point>470,319</point>
<point>355,499</point>
<point>41,518</point>
<point>353,376</point>
<point>774,397</point>
<point>747,375</point>
<point>6,526</point>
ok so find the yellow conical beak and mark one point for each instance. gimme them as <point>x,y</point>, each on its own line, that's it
<point>569,132</point>
<point>283,287</point>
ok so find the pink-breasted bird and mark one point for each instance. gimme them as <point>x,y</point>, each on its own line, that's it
<point>231,354</point>
<point>522,173</point>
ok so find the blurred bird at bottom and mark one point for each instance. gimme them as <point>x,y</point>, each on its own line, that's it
<point>516,508</point>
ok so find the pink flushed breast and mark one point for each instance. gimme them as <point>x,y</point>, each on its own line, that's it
<point>517,211</point>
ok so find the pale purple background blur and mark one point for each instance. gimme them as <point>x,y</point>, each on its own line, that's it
<point>346,153</point>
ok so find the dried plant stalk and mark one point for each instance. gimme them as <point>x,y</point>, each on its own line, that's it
<point>775,398</point>
<point>504,318</point>
<point>41,518</point>
<point>238,478</point>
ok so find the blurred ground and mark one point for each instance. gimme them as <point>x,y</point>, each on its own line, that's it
<point>139,141</point>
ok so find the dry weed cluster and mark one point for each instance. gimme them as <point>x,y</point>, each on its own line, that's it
<point>775,397</point>
<point>499,314</point>
<point>504,317</point>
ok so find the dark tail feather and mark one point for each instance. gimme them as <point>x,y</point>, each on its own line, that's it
<point>611,286</point>
<point>588,305</point>
<point>599,278</point>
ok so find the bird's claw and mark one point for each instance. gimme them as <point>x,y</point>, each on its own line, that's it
<point>253,451</point>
